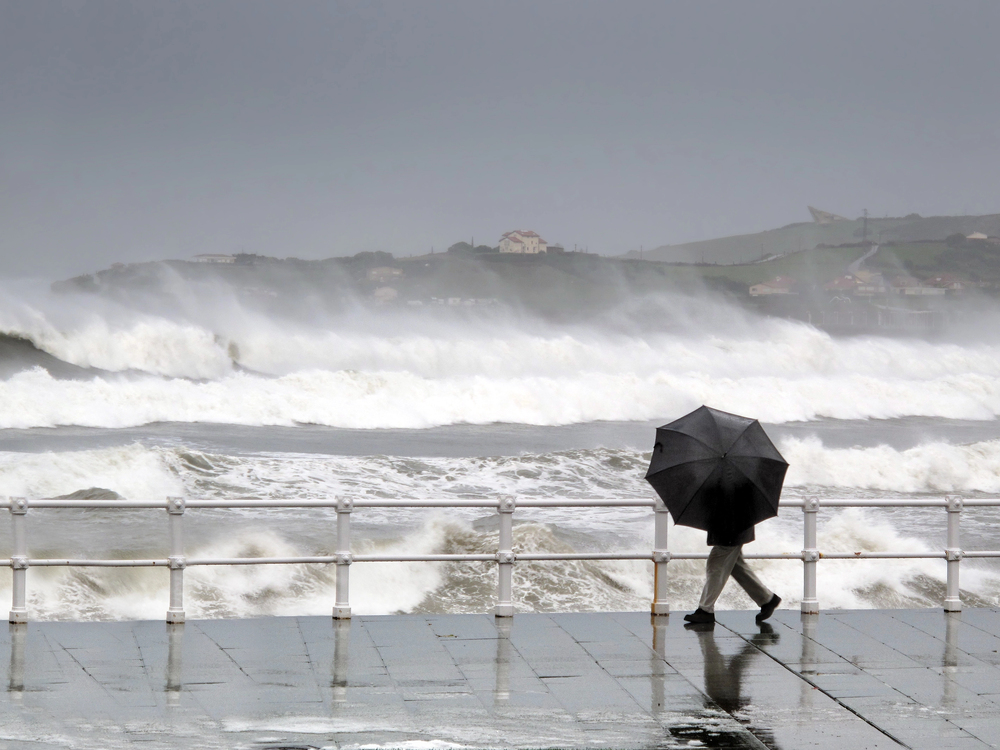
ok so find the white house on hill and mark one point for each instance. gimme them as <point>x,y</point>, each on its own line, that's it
<point>522,241</point>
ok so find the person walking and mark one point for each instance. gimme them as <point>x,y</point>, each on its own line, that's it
<point>719,472</point>
<point>725,560</point>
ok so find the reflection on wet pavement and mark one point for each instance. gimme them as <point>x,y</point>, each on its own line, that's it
<point>867,679</point>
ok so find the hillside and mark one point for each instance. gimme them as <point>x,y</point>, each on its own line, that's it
<point>745,248</point>
<point>570,286</point>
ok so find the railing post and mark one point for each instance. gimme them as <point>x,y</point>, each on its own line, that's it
<point>953,554</point>
<point>19,559</point>
<point>342,607</point>
<point>661,556</point>
<point>810,556</point>
<point>175,512</point>
<point>505,558</point>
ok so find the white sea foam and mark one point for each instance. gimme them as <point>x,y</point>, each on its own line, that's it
<point>132,471</point>
<point>930,467</point>
<point>369,400</point>
<point>417,372</point>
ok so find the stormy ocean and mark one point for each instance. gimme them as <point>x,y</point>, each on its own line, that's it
<point>216,395</point>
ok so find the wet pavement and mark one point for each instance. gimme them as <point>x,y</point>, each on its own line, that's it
<point>858,679</point>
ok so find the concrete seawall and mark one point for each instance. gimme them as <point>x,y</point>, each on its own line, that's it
<point>858,679</point>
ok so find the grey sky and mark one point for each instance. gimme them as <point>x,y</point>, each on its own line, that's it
<point>135,131</point>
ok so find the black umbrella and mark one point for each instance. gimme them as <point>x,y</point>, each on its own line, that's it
<point>717,471</point>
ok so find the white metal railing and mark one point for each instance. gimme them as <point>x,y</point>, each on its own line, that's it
<point>504,557</point>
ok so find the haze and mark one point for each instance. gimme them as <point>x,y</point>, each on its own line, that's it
<point>147,131</point>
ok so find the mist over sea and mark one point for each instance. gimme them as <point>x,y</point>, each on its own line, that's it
<point>205,392</point>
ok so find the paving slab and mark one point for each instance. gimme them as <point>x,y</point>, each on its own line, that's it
<point>843,679</point>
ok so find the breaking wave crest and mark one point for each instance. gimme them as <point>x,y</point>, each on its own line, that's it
<point>221,362</point>
<point>539,394</point>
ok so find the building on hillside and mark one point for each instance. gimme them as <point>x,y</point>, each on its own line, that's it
<point>870,284</point>
<point>214,258</point>
<point>522,241</point>
<point>777,285</point>
<point>384,274</point>
<point>900,283</point>
<point>976,236</point>
<point>947,281</point>
<point>842,284</point>
<point>911,287</point>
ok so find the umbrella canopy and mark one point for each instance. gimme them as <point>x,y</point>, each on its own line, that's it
<point>717,471</point>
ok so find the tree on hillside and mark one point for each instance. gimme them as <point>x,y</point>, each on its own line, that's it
<point>464,248</point>
<point>376,258</point>
<point>955,240</point>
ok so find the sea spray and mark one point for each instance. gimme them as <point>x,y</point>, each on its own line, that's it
<point>211,357</point>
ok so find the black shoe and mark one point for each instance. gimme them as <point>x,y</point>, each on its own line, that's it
<point>768,609</point>
<point>700,616</point>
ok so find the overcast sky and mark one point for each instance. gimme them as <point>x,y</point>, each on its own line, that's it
<point>138,131</point>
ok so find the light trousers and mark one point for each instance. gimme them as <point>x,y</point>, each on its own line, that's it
<point>728,561</point>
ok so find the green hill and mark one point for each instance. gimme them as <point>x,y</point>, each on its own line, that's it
<point>745,248</point>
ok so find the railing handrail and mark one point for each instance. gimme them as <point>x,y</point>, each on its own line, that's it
<point>504,557</point>
<point>522,502</point>
<point>372,502</point>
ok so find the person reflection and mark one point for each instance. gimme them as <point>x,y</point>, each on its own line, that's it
<point>724,676</point>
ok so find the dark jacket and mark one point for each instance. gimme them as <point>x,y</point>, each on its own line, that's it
<point>721,539</point>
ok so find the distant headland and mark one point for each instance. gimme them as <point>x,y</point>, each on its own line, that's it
<point>882,273</point>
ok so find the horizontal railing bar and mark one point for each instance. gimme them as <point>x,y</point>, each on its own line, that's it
<point>881,555</point>
<point>48,562</point>
<point>981,553</point>
<point>322,560</point>
<point>330,559</point>
<point>426,558</point>
<point>375,502</point>
<point>48,502</point>
<point>522,502</point>
<point>554,556</point>
<point>880,503</point>
<point>746,555</point>
<point>358,503</point>
<point>547,502</point>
